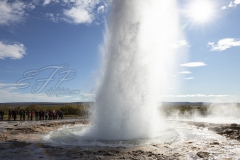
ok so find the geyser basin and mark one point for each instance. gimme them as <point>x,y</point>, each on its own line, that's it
<point>77,136</point>
<point>181,138</point>
<point>177,132</point>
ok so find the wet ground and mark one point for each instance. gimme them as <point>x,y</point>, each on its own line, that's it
<point>196,140</point>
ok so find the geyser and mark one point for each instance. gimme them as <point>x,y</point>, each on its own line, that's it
<point>139,60</point>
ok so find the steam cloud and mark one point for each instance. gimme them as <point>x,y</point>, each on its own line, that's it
<point>138,63</point>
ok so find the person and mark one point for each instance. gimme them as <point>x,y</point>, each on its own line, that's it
<point>20,113</point>
<point>14,112</point>
<point>61,114</point>
<point>40,115</point>
<point>9,114</point>
<point>46,115</point>
<point>43,114</point>
<point>28,115</point>
<point>36,115</point>
<point>54,114</point>
<point>1,115</point>
<point>24,115</point>
<point>31,115</point>
<point>50,115</point>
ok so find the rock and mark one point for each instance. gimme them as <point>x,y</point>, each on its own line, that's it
<point>203,154</point>
<point>109,154</point>
<point>228,131</point>
<point>97,157</point>
<point>216,129</point>
<point>233,125</point>
<point>214,143</point>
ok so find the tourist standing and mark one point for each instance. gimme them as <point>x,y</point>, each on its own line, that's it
<point>14,112</point>
<point>31,115</point>
<point>9,114</point>
<point>20,113</point>
<point>28,114</point>
<point>36,115</point>
<point>24,115</point>
<point>50,115</point>
<point>1,115</point>
<point>40,115</point>
<point>46,115</point>
<point>43,114</point>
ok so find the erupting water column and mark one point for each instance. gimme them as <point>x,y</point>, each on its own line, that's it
<point>139,59</point>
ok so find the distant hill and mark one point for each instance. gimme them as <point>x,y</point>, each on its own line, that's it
<point>15,104</point>
<point>192,104</point>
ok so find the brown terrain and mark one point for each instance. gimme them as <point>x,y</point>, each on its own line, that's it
<point>20,140</point>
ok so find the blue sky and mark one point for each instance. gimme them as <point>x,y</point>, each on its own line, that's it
<point>61,38</point>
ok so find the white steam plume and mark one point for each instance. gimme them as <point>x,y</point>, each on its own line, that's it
<point>138,63</point>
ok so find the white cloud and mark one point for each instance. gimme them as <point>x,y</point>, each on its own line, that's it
<point>182,43</point>
<point>78,11</point>
<point>14,11</point>
<point>73,11</point>
<point>101,9</point>
<point>234,4</point>
<point>224,44</point>
<point>11,86</point>
<point>189,78</point>
<point>81,11</point>
<point>13,51</point>
<point>78,15</point>
<point>53,17</point>
<point>185,72</point>
<point>196,95</point>
<point>46,2</point>
<point>2,85</point>
<point>224,7</point>
<point>11,93</point>
<point>11,12</point>
<point>194,64</point>
<point>8,95</point>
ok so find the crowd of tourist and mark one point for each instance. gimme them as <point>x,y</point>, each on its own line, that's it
<point>32,115</point>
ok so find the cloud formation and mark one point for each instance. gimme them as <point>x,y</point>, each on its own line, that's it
<point>193,64</point>
<point>189,78</point>
<point>82,11</point>
<point>232,4</point>
<point>11,93</point>
<point>196,95</point>
<point>77,11</point>
<point>224,44</point>
<point>46,2</point>
<point>11,12</point>
<point>182,43</point>
<point>185,72</point>
<point>72,11</point>
<point>12,51</point>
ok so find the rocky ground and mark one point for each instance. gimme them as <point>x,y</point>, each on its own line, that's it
<point>23,140</point>
<point>231,131</point>
<point>32,130</point>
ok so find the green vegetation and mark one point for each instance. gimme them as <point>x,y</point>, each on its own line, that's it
<point>188,111</point>
<point>185,110</point>
<point>68,109</point>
